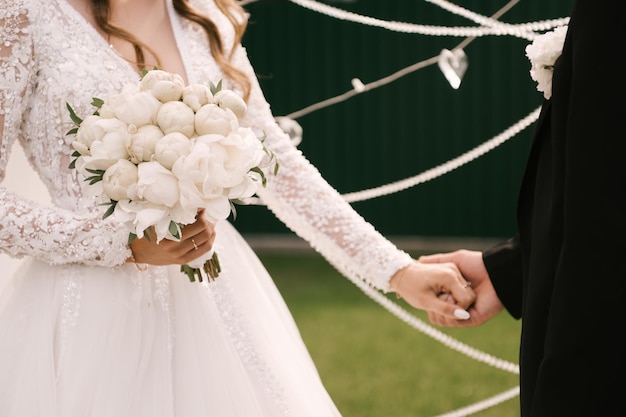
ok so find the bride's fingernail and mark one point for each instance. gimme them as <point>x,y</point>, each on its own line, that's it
<point>461,314</point>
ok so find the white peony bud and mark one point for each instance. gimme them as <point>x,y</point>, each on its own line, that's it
<point>211,119</point>
<point>119,181</point>
<point>196,96</point>
<point>231,100</point>
<point>113,138</point>
<point>171,147</point>
<point>133,108</point>
<point>86,134</point>
<point>165,86</point>
<point>176,116</point>
<point>143,142</point>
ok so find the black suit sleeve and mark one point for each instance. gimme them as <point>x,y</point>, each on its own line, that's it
<point>503,263</point>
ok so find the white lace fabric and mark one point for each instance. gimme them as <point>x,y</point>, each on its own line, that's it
<point>50,56</point>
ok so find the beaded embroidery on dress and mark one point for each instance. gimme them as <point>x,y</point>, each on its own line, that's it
<point>82,334</point>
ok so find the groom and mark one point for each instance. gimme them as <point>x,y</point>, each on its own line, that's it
<point>564,272</point>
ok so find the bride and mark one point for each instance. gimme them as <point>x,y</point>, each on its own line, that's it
<point>91,326</point>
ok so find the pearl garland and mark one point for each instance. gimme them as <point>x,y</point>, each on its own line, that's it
<point>490,26</point>
<point>446,167</point>
<point>429,330</point>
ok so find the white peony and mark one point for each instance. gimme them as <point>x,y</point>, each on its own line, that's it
<point>247,188</point>
<point>231,100</point>
<point>141,215</point>
<point>143,142</point>
<point>170,148</point>
<point>119,181</point>
<point>163,85</point>
<point>111,139</point>
<point>176,116</point>
<point>132,107</point>
<point>243,152</point>
<point>198,177</point>
<point>86,134</point>
<point>157,184</point>
<point>212,119</point>
<point>85,166</point>
<point>196,96</point>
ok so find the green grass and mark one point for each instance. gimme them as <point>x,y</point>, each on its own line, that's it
<point>375,365</point>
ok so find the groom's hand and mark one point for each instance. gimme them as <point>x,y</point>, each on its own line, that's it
<point>471,265</point>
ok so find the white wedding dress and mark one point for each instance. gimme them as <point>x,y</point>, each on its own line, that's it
<point>83,334</point>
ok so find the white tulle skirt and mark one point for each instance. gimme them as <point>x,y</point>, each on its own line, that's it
<point>78,341</point>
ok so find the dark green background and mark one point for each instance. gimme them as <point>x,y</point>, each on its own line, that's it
<point>413,124</point>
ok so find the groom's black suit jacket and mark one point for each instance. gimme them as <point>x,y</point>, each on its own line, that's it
<point>564,273</point>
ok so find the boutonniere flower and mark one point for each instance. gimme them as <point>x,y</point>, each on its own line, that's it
<point>543,53</point>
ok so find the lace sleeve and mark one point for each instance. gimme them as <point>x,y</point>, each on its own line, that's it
<point>51,234</point>
<point>309,206</point>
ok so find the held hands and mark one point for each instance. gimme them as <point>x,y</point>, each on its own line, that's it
<point>471,265</point>
<point>197,239</point>
<point>421,285</point>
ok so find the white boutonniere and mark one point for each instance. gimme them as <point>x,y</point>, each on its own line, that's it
<point>543,53</point>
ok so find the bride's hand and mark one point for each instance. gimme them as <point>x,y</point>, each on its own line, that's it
<point>421,285</point>
<point>196,240</point>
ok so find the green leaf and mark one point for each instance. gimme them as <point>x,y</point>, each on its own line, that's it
<point>94,178</point>
<point>75,155</point>
<point>261,173</point>
<point>73,115</point>
<point>174,229</point>
<point>131,237</point>
<point>215,88</point>
<point>97,102</point>
<point>95,171</point>
<point>189,271</point>
<point>72,131</point>
<point>110,210</point>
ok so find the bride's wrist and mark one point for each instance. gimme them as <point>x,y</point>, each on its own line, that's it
<point>395,282</point>
<point>140,266</point>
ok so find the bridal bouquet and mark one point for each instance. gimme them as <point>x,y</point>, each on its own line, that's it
<point>160,151</point>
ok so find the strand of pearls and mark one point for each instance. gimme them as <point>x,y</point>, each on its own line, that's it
<point>418,324</point>
<point>484,404</point>
<point>449,342</point>
<point>448,166</point>
<point>491,26</point>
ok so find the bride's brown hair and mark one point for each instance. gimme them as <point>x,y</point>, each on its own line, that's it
<point>233,11</point>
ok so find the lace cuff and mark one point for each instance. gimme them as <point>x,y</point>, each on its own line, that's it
<point>59,236</point>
